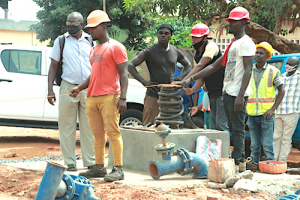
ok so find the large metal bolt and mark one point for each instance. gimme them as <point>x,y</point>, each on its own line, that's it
<point>67,197</point>
<point>70,187</point>
<point>67,178</point>
<point>184,161</point>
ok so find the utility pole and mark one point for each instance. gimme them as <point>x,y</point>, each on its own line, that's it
<point>4,6</point>
<point>104,8</point>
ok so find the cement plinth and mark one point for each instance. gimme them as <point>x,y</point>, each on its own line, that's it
<point>138,145</point>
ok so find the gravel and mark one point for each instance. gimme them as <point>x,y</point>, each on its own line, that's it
<point>280,187</point>
<point>35,159</point>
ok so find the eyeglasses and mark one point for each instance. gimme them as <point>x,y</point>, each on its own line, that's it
<point>290,65</point>
<point>73,23</point>
<point>164,32</point>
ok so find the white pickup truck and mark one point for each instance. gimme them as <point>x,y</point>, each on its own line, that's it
<point>23,89</point>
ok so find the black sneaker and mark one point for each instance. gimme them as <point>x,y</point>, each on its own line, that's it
<point>115,175</point>
<point>94,172</point>
<point>252,166</point>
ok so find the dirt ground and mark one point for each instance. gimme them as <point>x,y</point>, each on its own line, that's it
<point>23,184</point>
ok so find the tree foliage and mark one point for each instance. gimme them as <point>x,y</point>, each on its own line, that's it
<point>182,29</point>
<point>54,15</point>
<point>270,14</point>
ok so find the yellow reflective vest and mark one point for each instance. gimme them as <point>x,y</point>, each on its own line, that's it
<point>261,100</point>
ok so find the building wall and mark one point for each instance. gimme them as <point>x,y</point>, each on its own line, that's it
<point>17,32</point>
<point>20,38</point>
<point>225,39</point>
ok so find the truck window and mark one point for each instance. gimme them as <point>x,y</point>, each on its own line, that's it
<point>22,61</point>
<point>277,64</point>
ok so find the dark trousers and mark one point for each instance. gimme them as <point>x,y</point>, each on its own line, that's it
<point>236,123</point>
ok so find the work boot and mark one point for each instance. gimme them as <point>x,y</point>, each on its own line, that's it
<point>252,166</point>
<point>242,167</point>
<point>115,175</point>
<point>94,172</point>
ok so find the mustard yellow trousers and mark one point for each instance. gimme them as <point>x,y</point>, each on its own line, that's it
<point>103,117</point>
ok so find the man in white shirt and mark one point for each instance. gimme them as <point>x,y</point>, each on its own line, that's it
<point>76,68</point>
<point>238,61</point>
<point>287,113</point>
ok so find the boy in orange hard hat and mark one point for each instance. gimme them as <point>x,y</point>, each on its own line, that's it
<point>206,54</point>
<point>106,96</point>
<point>238,61</point>
<point>262,104</point>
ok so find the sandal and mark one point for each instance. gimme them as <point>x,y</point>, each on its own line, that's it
<point>72,168</point>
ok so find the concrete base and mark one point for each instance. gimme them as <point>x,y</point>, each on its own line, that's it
<point>138,145</point>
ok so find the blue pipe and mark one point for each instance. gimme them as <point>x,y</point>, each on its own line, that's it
<point>179,163</point>
<point>200,167</point>
<point>50,181</point>
<point>75,188</point>
<point>295,196</point>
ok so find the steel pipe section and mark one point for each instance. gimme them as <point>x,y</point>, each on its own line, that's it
<point>76,187</point>
<point>50,181</point>
<point>200,167</point>
<point>182,162</point>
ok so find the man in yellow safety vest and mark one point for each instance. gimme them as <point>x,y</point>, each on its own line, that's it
<point>262,104</point>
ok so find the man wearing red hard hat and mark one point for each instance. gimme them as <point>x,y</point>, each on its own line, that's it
<point>206,54</point>
<point>238,60</point>
<point>106,96</point>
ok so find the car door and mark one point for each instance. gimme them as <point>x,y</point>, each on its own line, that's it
<point>22,85</point>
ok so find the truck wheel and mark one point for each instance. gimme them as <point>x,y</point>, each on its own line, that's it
<point>130,117</point>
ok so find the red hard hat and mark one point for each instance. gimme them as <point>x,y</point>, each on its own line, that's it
<point>239,13</point>
<point>199,30</point>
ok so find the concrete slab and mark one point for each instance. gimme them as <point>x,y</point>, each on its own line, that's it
<point>138,145</point>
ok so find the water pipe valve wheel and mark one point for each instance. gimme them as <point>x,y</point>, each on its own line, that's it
<point>163,132</point>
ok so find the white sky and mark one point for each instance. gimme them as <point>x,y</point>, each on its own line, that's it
<point>21,10</point>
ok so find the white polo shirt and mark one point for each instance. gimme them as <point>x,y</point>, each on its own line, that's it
<point>76,64</point>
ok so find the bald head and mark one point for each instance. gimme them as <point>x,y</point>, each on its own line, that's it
<point>75,15</point>
<point>293,61</point>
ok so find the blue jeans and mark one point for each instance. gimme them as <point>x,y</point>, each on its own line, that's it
<point>236,123</point>
<point>261,133</point>
<point>217,114</point>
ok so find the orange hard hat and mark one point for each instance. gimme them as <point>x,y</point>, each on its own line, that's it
<point>267,47</point>
<point>239,13</point>
<point>199,30</point>
<point>96,17</point>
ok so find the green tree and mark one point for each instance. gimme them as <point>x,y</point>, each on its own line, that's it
<point>271,14</point>
<point>54,14</point>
